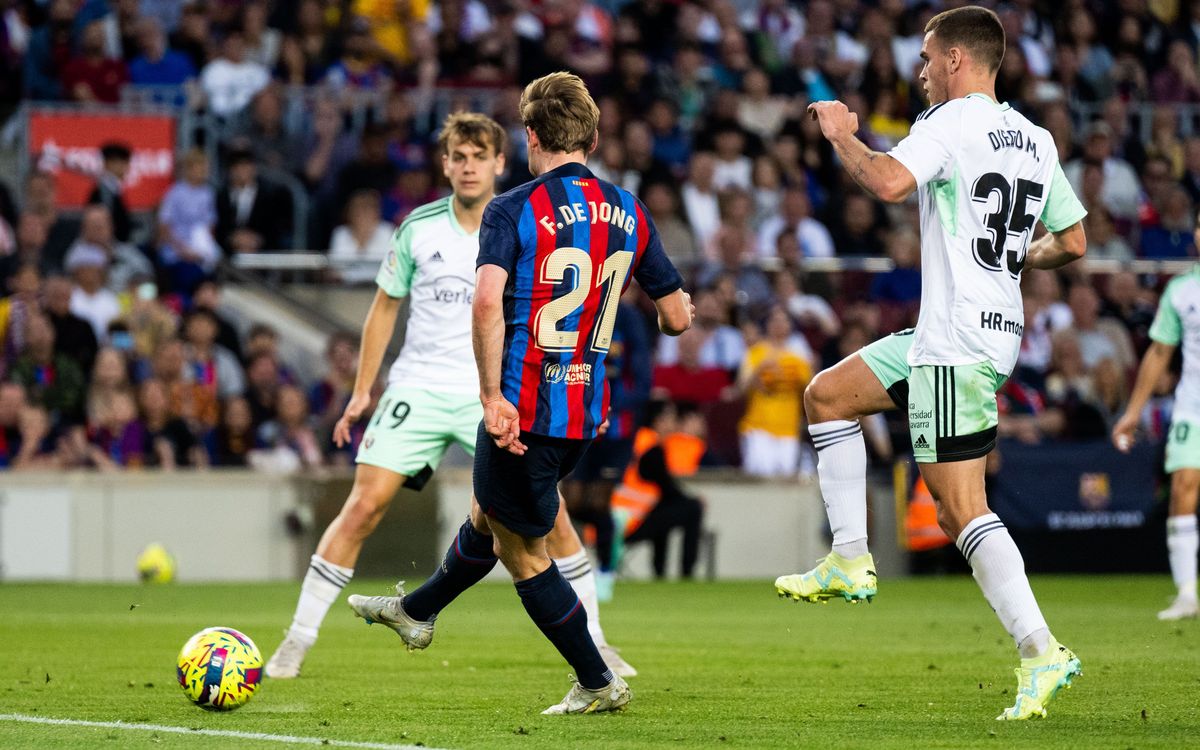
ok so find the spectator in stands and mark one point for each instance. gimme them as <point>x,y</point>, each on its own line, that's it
<point>1178,82</point>
<point>1103,242</point>
<point>192,35</point>
<point>208,298</point>
<point>73,336</point>
<point>116,158</point>
<point>119,439</point>
<point>1172,237</point>
<point>91,299</point>
<point>288,441</point>
<point>327,398</point>
<point>1121,184</point>
<point>650,498</point>
<point>902,284</point>
<point>772,378</point>
<point>363,241</point>
<point>262,338</point>
<point>662,201</point>
<point>359,67</point>
<point>50,48</point>
<point>700,203</point>
<point>1098,338</point>
<point>92,76</point>
<point>252,214</point>
<point>158,64</point>
<point>273,144</point>
<point>170,443</point>
<point>371,169</point>
<point>148,321</point>
<point>195,403</point>
<point>41,199</point>
<point>263,381</point>
<point>262,41</point>
<point>857,229</point>
<point>24,288</point>
<point>109,376</point>
<point>12,403</point>
<point>759,111</point>
<point>809,312</point>
<point>124,261</point>
<point>213,366</point>
<point>186,220</point>
<point>230,444</point>
<point>30,238</point>
<point>795,216</point>
<point>1072,391</point>
<point>720,343</point>
<point>1126,301</point>
<point>686,378</point>
<point>231,80</point>
<point>672,145</point>
<point>52,381</point>
<point>732,167</point>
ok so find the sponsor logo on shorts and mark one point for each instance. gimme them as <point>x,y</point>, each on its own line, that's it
<point>919,419</point>
<point>576,373</point>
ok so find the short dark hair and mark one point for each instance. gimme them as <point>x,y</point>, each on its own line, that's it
<point>975,29</point>
<point>114,151</point>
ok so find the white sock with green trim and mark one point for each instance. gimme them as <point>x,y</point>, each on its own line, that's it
<point>1000,572</point>
<point>842,473</point>
<point>322,585</point>
<point>1182,544</point>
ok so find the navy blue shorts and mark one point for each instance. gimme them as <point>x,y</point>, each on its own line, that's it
<point>605,461</point>
<point>521,492</point>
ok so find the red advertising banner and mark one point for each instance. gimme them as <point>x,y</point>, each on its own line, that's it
<point>67,145</point>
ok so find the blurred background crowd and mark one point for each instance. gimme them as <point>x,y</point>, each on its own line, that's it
<point>311,125</point>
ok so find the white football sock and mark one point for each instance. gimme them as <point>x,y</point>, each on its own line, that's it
<point>577,569</point>
<point>842,473</point>
<point>322,584</point>
<point>1000,572</point>
<point>1182,543</point>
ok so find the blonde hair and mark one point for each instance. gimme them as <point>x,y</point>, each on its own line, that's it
<point>560,110</point>
<point>474,128</point>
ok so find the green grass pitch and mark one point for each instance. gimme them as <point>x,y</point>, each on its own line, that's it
<point>722,665</point>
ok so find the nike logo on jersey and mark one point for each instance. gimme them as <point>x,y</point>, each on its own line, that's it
<point>1002,139</point>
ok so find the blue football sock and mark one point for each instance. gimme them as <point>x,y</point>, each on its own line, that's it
<point>468,560</point>
<point>557,611</point>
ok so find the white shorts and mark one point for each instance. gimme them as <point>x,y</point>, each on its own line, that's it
<point>767,455</point>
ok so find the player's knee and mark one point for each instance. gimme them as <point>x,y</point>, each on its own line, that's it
<point>1184,489</point>
<point>364,510</point>
<point>951,520</point>
<point>820,400</point>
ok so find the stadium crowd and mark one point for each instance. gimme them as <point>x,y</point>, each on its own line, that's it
<point>113,349</point>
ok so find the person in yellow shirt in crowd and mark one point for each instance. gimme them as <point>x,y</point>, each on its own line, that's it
<point>772,379</point>
<point>391,24</point>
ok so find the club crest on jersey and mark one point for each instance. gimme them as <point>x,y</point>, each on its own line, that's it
<point>576,373</point>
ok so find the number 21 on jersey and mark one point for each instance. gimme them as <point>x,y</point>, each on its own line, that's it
<point>553,271</point>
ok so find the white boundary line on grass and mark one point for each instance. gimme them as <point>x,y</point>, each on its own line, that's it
<point>286,738</point>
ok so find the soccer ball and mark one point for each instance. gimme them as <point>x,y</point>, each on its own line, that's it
<point>219,669</point>
<point>155,565</point>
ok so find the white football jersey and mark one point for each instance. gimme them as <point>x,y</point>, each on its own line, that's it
<point>1178,322</point>
<point>432,261</point>
<point>985,175</point>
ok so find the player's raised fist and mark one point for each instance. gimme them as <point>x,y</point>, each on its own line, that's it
<point>835,118</point>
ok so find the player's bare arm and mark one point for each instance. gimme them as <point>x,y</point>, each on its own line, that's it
<point>1154,364</point>
<point>878,173</point>
<point>376,333</point>
<point>1057,249</point>
<point>675,312</point>
<point>500,417</point>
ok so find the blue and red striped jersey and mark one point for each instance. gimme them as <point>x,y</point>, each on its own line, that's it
<point>571,243</point>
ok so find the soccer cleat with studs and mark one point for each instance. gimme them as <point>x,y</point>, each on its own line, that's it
<point>835,576</point>
<point>580,700</point>
<point>1039,680</point>
<point>389,611</point>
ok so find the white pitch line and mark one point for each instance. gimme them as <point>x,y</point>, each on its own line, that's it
<point>286,738</point>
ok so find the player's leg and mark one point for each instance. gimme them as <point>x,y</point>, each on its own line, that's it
<point>953,421</point>
<point>1183,463</point>
<point>568,553</point>
<point>470,557</point>
<point>868,382</point>
<point>333,564</point>
<point>555,608</point>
